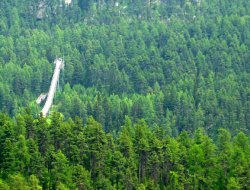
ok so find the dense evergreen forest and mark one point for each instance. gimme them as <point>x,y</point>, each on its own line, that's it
<point>154,94</point>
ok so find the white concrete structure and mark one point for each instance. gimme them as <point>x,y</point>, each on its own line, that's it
<point>41,98</point>
<point>55,79</point>
<point>41,10</point>
<point>68,2</point>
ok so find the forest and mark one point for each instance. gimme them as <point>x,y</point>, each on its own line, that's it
<point>154,94</point>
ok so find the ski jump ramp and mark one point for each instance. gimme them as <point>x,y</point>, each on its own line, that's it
<point>59,64</point>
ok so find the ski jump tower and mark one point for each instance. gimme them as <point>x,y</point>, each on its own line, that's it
<point>59,64</point>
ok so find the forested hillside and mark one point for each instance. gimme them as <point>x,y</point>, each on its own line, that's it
<point>154,94</point>
<point>59,154</point>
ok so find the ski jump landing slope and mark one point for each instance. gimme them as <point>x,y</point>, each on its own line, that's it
<point>59,64</point>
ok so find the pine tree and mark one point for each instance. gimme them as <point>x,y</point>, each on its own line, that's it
<point>22,155</point>
<point>18,182</point>
<point>96,149</point>
<point>141,147</point>
<point>61,172</point>
<point>81,177</point>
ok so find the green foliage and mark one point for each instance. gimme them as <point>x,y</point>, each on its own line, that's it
<point>4,185</point>
<point>137,157</point>
<point>17,182</point>
<point>154,95</point>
